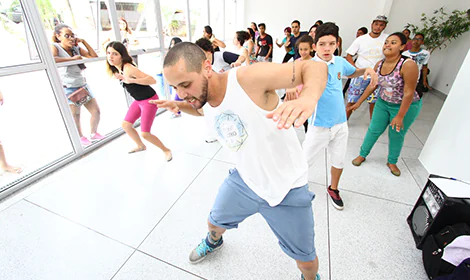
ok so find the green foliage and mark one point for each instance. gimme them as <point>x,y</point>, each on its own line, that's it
<point>14,3</point>
<point>441,28</point>
<point>47,12</point>
<point>174,24</point>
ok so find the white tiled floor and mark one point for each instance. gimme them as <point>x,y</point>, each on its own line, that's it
<point>112,215</point>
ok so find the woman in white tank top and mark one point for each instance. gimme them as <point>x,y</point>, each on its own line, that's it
<point>238,40</point>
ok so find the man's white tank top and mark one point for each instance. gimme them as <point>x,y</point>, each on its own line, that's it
<point>270,161</point>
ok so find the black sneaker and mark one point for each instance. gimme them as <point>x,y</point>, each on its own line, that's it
<point>335,198</point>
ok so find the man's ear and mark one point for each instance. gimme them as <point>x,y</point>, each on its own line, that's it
<point>207,67</point>
<point>314,46</point>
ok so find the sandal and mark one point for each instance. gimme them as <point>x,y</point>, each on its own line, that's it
<point>138,149</point>
<point>395,172</point>
<point>357,161</point>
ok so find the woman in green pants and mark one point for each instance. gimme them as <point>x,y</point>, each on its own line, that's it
<point>398,103</point>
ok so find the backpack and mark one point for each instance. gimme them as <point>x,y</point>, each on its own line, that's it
<point>445,250</point>
<point>462,272</point>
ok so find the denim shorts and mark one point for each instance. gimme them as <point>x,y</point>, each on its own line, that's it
<point>70,90</point>
<point>357,87</point>
<point>291,220</point>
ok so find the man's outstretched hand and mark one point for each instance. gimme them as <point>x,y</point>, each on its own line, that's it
<point>166,104</point>
<point>293,112</point>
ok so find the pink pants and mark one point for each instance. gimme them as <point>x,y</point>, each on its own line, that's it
<point>144,110</point>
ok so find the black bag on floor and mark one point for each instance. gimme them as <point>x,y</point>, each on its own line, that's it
<point>449,242</point>
<point>462,272</point>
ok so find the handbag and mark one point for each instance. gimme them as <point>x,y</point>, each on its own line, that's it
<point>80,96</point>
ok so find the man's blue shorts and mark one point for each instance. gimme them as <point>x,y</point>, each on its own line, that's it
<point>291,220</point>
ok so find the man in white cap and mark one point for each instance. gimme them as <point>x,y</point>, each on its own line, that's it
<point>369,51</point>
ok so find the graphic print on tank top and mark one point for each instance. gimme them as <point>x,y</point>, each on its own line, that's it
<point>231,130</point>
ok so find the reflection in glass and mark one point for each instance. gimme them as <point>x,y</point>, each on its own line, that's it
<point>137,24</point>
<point>17,45</point>
<point>174,18</point>
<point>32,131</point>
<point>198,17</point>
<point>78,14</point>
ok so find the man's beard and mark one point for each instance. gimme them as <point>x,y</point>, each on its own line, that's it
<point>204,92</point>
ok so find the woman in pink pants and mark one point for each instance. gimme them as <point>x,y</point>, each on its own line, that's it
<point>137,84</point>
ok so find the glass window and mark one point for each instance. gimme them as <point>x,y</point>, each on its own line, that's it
<point>217,19</point>
<point>137,23</point>
<point>230,19</point>
<point>175,21</point>
<point>110,100</point>
<point>81,18</point>
<point>152,64</point>
<point>17,45</point>
<point>198,17</point>
<point>32,131</point>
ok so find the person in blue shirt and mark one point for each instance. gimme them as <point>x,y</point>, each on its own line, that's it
<point>290,52</point>
<point>328,124</point>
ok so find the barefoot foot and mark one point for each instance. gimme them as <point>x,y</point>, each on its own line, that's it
<point>138,149</point>
<point>168,155</point>
<point>12,169</point>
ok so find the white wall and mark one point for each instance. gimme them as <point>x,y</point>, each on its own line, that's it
<point>447,150</point>
<point>445,63</point>
<point>278,14</point>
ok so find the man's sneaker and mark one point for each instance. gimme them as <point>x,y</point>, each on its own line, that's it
<point>210,139</point>
<point>335,198</point>
<point>204,248</point>
<point>85,141</point>
<point>316,277</point>
<point>96,137</point>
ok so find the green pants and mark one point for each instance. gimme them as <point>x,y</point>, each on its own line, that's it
<point>383,114</point>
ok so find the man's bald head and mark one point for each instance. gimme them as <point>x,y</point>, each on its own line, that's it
<point>191,53</point>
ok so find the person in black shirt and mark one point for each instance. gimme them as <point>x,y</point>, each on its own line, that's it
<point>137,84</point>
<point>265,45</point>
<point>295,25</point>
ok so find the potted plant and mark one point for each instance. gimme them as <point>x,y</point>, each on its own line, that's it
<point>441,28</point>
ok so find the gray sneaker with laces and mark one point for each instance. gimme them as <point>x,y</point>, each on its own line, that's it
<point>203,249</point>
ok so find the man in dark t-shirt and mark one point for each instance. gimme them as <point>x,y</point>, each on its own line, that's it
<point>295,25</point>
<point>265,45</point>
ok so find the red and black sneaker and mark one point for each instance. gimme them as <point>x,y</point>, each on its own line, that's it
<point>335,198</point>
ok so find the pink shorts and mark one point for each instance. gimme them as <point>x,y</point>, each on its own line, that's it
<point>145,111</point>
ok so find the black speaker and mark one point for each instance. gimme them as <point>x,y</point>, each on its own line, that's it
<point>442,202</point>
